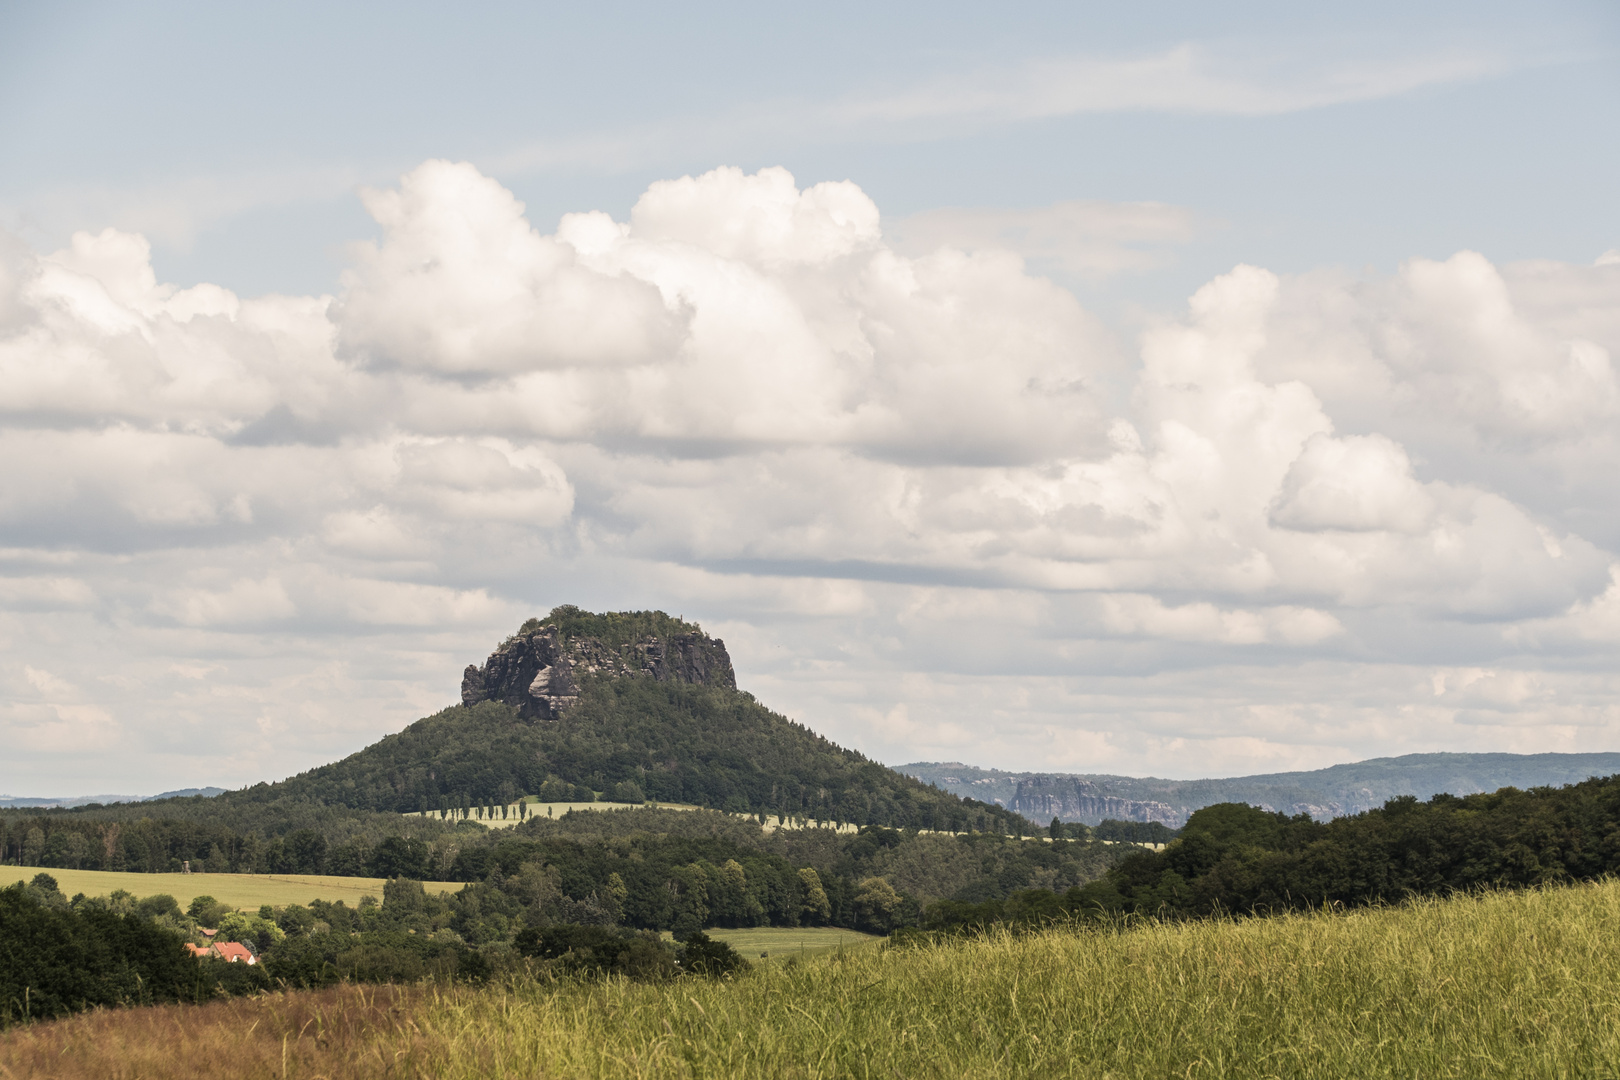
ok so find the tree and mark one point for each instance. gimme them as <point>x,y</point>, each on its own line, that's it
<point>816,908</point>
<point>305,852</point>
<point>617,893</point>
<point>690,886</point>
<point>876,904</point>
<point>702,955</point>
<point>399,856</point>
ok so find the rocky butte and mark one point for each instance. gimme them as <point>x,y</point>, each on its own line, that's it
<point>537,670</point>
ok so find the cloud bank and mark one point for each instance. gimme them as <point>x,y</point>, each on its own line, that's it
<point>1334,516</point>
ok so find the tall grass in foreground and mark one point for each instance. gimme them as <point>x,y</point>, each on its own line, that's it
<point>1511,985</point>
<point>343,1031</point>
<point>1504,985</point>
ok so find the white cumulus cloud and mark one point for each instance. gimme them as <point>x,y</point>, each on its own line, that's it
<point>891,472</point>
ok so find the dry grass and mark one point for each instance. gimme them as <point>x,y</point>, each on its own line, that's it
<point>236,890</point>
<point>349,1032</point>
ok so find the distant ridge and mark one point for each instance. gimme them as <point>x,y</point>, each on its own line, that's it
<point>1323,793</point>
<point>51,802</point>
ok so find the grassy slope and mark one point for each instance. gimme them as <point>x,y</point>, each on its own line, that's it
<point>238,890</point>
<point>1510,985</point>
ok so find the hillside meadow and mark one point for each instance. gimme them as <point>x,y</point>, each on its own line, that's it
<point>240,891</point>
<point>774,943</point>
<point>1521,984</point>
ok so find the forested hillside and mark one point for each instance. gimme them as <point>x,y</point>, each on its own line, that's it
<point>1239,859</point>
<point>676,742</point>
<point>647,703</point>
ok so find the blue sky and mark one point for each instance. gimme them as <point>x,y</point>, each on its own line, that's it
<point>1156,388</point>
<point>236,135</point>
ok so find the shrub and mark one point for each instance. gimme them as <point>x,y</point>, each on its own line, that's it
<point>626,791</point>
<point>599,950</point>
<point>702,955</point>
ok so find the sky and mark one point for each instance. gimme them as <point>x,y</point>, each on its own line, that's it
<point>1163,389</point>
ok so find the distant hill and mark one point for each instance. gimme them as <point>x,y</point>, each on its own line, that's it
<point>11,802</point>
<point>635,704</point>
<point>1323,793</point>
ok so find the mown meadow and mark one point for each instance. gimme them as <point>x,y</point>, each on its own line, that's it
<point>1519,984</point>
<point>241,891</point>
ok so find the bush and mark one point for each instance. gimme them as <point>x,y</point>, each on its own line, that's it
<point>555,790</point>
<point>702,955</point>
<point>55,961</point>
<point>160,906</point>
<point>222,978</point>
<point>599,950</point>
<point>626,791</point>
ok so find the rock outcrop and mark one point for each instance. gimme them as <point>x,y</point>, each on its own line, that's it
<point>1081,802</point>
<point>538,672</point>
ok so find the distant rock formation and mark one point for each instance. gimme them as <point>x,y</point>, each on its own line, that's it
<point>538,671</point>
<point>1044,797</point>
<point>1322,793</point>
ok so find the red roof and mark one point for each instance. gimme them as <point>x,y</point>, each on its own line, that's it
<point>234,951</point>
<point>197,950</point>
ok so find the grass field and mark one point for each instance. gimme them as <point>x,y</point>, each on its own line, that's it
<point>1523,985</point>
<point>237,890</point>
<point>783,942</point>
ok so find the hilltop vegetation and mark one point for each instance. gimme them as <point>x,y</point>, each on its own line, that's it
<point>615,629</point>
<point>676,742</point>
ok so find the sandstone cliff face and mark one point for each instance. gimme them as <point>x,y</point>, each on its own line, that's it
<point>1042,802</point>
<point>538,673</point>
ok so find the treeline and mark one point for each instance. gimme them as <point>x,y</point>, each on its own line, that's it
<point>674,742</point>
<point>874,880</point>
<point>588,892</point>
<point>661,856</point>
<point>140,839</point>
<point>1238,859</point>
<point>56,958</point>
<point>59,956</point>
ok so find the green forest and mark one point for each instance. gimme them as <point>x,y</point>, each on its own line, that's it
<point>1233,859</point>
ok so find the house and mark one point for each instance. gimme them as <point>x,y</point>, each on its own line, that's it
<point>197,950</point>
<point>232,952</point>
